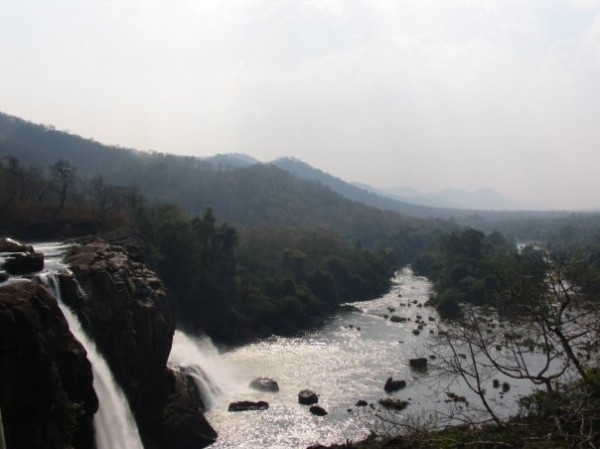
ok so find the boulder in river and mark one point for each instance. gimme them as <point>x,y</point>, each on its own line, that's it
<point>418,364</point>
<point>23,263</point>
<point>308,397</point>
<point>265,384</point>
<point>349,308</point>
<point>318,411</point>
<point>392,385</point>
<point>242,406</point>
<point>361,403</point>
<point>8,245</point>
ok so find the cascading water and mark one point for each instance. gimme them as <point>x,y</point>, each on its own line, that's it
<point>114,424</point>
<point>201,360</point>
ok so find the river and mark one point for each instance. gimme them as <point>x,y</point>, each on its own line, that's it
<point>347,360</point>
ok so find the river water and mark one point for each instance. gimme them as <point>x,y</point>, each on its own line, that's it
<point>347,360</point>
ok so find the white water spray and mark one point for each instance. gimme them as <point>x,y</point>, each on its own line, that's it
<point>114,424</point>
<point>202,361</point>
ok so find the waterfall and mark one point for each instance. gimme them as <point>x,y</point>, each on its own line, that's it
<point>201,360</point>
<point>2,442</point>
<point>114,424</point>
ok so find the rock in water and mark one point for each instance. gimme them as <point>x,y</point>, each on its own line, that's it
<point>418,364</point>
<point>23,263</point>
<point>242,406</point>
<point>265,384</point>
<point>318,411</point>
<point>8,245</point>
<point>392,385</point>
<point>308,397</point>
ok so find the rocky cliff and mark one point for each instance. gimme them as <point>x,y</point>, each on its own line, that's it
<point>47,398</point>
<point>125,308</point>
<point>46,394</point>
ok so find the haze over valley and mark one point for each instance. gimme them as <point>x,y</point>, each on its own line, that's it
<point>436,95</point>
<point>305,224</point>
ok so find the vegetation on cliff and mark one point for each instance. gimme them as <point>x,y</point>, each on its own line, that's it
<point>255,282</point>
<point>230,282</point>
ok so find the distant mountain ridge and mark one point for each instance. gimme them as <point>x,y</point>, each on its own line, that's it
<point>481,199</point>
<point>360,194</point>
<point>239,190</point>
<point>239,187</point>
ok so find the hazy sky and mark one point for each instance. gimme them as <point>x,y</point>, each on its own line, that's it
<point>503,94</point>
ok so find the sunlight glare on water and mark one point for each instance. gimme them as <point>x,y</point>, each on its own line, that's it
<point>346,361</point>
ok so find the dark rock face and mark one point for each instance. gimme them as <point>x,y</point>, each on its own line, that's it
<point>392,385</point>
<point>308,397</point>
<point>8,245</point>
<point>126,309</point>
<point>418,364</point>
<point>183,426</point>
<point>265,384</point>
<point>318,411</point>
<point>242,406</point>
<point>46,394</point>
<point>23,263</point>
<point>20,258</point>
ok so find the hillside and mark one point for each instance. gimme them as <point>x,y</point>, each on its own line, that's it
<point>481,199</point>
<point>482,209</point>
<point>239,189</point>
<point>355,193</point>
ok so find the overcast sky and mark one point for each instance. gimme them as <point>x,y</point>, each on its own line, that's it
<point>502,94</point>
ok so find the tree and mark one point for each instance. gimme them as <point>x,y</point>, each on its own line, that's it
<point>99,195</point>
<point>64,177</point>
<point>548,318</point>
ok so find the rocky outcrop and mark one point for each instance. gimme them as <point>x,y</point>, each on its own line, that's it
<point>182,426</point>
<point>265,384</point>
<point>318,410</point>
<point>46,394</point>
<point>18,258</point>
<point>8,245</point>
<point>23,263</point>
<point>125,308</point>
<point>243,406</point>
<point>418,364</point>
<point>392,385</point>
<point>307,397</point>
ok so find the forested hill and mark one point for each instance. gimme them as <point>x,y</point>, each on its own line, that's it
<point>238,187</point>
<point>43,145</point>
<point>362,195</point>
<point>239,190</point>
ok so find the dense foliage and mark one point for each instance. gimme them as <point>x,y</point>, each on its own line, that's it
<point>232,283</point>
<point>275,280</point>
<point>469,267</point>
